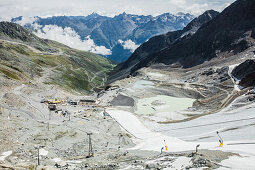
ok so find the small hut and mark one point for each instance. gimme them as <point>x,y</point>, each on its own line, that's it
<point>52,107</point>
<point>84,102</point>
<point>74,103</point>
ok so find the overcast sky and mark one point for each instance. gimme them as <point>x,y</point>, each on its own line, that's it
<point>14,8</point>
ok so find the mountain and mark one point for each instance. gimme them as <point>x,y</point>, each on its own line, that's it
<point>160,43</point>
<point>26,58</point>
<point>229,33</point>
<point>245,73</point>
<point>109,31</point>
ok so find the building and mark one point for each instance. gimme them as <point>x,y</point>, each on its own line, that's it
<point>87,102</point>
<point>112,87</point>
<point>52,107</point>
<point>74,103</point>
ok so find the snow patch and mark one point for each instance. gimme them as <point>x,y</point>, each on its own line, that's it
<point>43,152</point>
<point>5,155</point>
<point>56,160</point>
<point>74,162</point>
<point>234,79</point>
<point>192,31</point>
<point>146,139</point>
<point>237,162</point>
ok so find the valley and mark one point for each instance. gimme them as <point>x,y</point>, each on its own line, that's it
<point>123,136</point>
<point>113,37</point>
<point>219,106</point>
<point>182,100</point>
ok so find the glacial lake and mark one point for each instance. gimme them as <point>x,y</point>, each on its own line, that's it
<point>163,107</point>
<point>141,84</point>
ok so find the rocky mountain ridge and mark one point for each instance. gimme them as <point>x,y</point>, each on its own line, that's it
<point>161,42</point>
<point>109,31</point>
<point>229,33</point>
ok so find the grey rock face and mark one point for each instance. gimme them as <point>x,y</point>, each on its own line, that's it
<point>243,69</point>
<point>228,33</point>
<point>148,51</point>
<point>245,72</point>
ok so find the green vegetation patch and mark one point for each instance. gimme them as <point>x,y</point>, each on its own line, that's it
<point>21,49</point>
<point>76,80</point>
<point>12,67</point>
<point>74,70</point>
<point>10,74</point>
<point>46,60</point>
<point>92,62</point>
<point>61,134</point>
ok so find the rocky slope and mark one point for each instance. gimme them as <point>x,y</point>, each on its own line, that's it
<point>245,73</point>
<point>159,43</point>
<point>229,33</point>
<point>33,70</point>
<point>27,123</point>
<point>107,31</point>
<point>25,57</point>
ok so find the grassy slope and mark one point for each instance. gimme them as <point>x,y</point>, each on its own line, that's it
<point>73,69</point>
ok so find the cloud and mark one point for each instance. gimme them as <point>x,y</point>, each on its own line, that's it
<point>129,45</point>
<point>2,19</point>
<point>197,9</point>
<point>70,38</point>
<point>26,20</point>
<point>14,8</point>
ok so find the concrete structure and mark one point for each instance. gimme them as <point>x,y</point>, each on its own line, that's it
<point>87,102</point>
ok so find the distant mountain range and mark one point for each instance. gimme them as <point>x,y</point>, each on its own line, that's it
<point>209,36</point>
<point>159,43</point>
<point>121,34</point>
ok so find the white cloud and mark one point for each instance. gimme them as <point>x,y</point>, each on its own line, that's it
<point>26,20</point>
<point>70,38</point>
<point>197,9</point>
<point>129,45</point>
<point>14,8</point>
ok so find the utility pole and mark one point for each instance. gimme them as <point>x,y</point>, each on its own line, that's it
<point>48,125</point>
<point>49,115</point>
<point>1,110</point>
<point>91,154</point>
<point>119,138</point>
<point>38,154</point>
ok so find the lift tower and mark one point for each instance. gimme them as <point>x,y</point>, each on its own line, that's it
<point>91,154</point>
